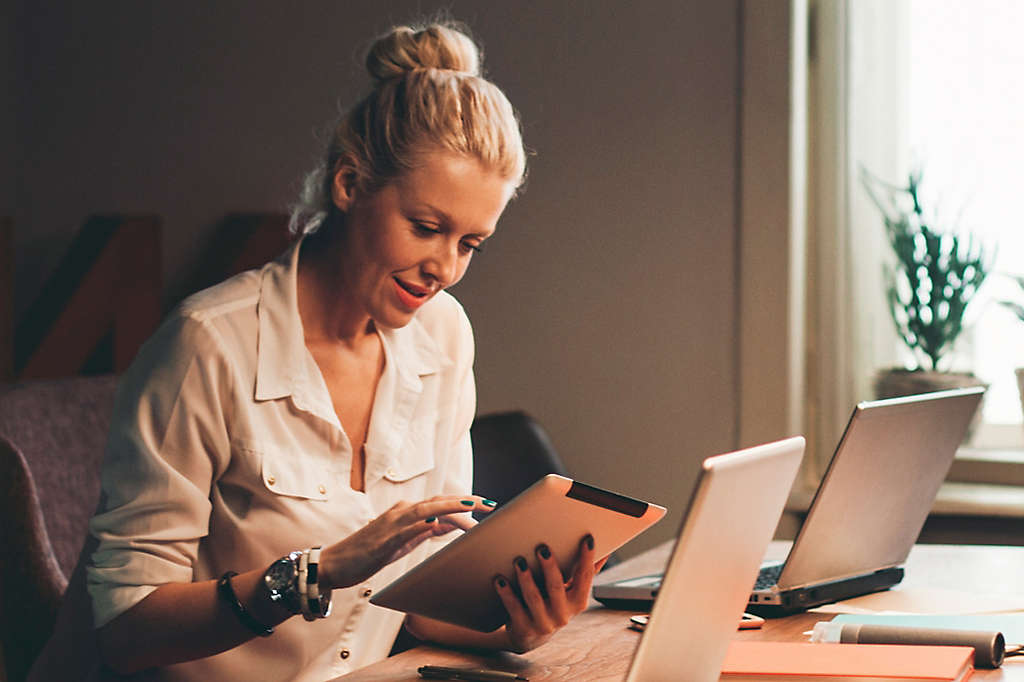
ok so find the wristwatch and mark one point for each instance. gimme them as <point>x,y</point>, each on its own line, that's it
<point>281,581</point>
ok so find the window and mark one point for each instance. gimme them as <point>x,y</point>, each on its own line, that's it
<point>965,107</point>
<point>895,85</point>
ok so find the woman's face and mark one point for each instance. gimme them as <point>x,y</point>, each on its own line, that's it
<point>415,236</point>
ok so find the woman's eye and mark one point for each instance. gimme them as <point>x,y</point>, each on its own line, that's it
<point>468,247</point>
<point>427,229</point>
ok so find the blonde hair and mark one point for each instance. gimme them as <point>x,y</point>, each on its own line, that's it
<point>428,95</point>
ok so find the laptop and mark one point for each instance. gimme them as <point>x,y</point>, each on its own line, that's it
<point>867,512</point>
<point>719,546</point>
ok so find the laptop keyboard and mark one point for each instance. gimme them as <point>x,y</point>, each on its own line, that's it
<point>768,576</point>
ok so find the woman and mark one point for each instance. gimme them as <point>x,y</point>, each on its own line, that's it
<point>307,403</point>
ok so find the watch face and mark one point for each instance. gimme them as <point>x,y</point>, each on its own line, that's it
<point>280,575</point>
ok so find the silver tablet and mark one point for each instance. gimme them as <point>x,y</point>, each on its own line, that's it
<point>455,584</point>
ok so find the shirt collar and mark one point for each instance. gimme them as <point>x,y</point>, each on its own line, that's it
<point>281,348</point>
<point>414,350</point>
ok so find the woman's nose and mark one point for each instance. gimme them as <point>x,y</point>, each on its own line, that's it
<point>443,266</point>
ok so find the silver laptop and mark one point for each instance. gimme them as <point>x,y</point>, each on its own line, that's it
<point>867,512</point>
<point>716,555</point>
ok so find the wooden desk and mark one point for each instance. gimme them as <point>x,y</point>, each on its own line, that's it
<point>597,645</point>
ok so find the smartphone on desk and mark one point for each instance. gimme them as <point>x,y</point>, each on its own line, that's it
<point>748,621</point>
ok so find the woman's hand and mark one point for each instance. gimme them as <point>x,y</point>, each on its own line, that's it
<point>533,618</point>
<point>394,534</point>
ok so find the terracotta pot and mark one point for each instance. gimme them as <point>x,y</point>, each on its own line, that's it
<point>893,383</point>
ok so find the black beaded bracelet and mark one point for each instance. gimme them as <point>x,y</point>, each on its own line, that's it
<point>227,593</point>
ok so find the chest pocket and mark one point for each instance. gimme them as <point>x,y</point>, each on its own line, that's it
<point>417,454</point>
<point>293,474</point>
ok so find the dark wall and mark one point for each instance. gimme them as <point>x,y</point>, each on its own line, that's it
<point>8,108</point>
<point>605,303</point>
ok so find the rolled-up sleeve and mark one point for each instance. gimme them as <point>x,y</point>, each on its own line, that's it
<point>168,443</point>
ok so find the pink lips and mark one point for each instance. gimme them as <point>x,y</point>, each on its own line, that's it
<point>411,295</point>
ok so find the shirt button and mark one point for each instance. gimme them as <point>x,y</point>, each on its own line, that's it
<point>323,490</point>
<point>271,480</point>
<point>367,592</point>
<point>345,653</point>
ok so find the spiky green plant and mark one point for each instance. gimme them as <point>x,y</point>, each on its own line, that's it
<point>935,275</point>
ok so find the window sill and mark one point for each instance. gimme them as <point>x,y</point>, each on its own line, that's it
<point>979,499</point>
<point>999,467</point>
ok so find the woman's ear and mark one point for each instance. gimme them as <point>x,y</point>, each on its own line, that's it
<point>343,187</point>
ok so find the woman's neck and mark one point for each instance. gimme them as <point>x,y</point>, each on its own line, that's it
<point>328,313</point>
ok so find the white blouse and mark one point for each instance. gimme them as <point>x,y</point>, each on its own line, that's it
<point>225,453</point>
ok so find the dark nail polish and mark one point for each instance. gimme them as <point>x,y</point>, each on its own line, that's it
<point>501,581</point>
<point>430,519</point>
<point>489,503</point>
<point>590,541</point>
<point>468,503</point>
<point>544,552</point>
<point>521,563</point>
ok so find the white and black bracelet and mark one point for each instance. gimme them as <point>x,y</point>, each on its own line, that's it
<point>318,603</point>
<point>301,578</point>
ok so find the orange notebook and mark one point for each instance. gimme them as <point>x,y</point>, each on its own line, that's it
<point>785,661</point>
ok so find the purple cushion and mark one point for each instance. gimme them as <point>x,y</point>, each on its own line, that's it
<point>60,427</point>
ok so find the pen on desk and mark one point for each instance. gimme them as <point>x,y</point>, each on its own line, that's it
<point>437,672</point>
<point>989,646</point>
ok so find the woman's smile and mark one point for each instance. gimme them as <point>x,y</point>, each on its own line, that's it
<point>412,296</point>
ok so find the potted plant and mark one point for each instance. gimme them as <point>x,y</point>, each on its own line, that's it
<point>1018,309</point>
<point>929,284</point>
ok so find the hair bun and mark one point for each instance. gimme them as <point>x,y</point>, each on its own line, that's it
<point>437,46</point>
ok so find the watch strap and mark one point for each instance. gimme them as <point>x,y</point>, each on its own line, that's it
<point>228,595</point>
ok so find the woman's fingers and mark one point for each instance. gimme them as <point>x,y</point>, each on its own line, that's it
<point>443,506</point>
<point>536,612</point>
<point>531,595</point>
<point>399,530</point>
<point>578,593</point>
<point>518,618</point>
<point>394,534</point>
<point>459,521</point>
<point>403,527</point>
<point>407,539</point>
<point>554,585</point>
<point>447,524</point>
